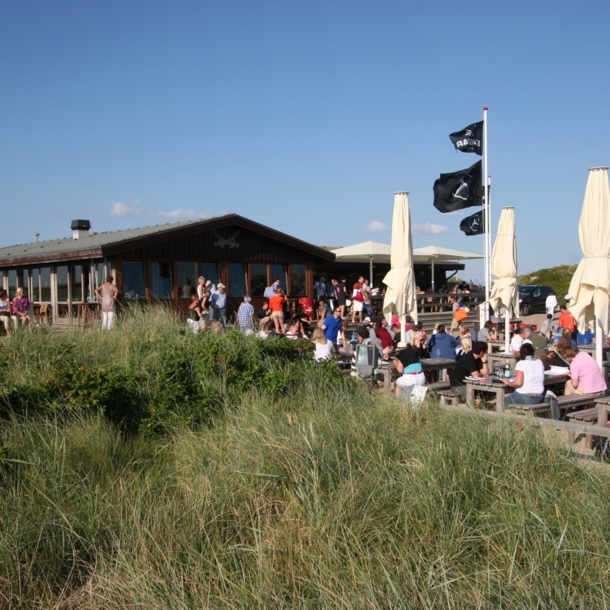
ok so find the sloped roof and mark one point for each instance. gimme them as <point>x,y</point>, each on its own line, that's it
<point>96,245</point>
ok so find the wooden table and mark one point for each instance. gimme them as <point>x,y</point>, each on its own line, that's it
<point>494,385</point>
<point>590,349</point>
<point>496,345</point>
<point>501,358</point>
<point>603,408</point>
<point>443,365</point>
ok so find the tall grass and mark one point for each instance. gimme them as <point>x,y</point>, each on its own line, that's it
<point>272,482</point>
<point>314,499</point>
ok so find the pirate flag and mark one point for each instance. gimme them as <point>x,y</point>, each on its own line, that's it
<point>459,190</point>
<point>469,139</point>
<point>473,225</point>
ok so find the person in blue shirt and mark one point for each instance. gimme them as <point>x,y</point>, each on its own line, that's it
<point>442,345</point>
<point>218,304</point>
<point>332,325</point>
<point>585,338</point>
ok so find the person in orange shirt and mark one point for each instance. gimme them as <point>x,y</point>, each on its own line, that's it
<point>276,304</point>
<point>567,320</point>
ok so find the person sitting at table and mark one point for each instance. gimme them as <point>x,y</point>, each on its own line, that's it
<point>20,308</point>
<point>408,363</point>
<point>585,338</point>
<point>565,341</point>
<point>5,311</point>
<point>467,332</point>
<point>302,319</point>
<point>519,339</point>
<point>586,378</point>
<point>529,379</point>
<point>488,332</point>
<point>387,343</point>
<point>442,344</point>
<point>324,348</point>
<point>294,331</point>
<point>464,347</point>
<point>473,364</point>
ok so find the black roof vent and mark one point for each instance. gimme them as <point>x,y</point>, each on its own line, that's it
<point>83,225</point>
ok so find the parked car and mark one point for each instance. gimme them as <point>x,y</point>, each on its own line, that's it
<point>532,299</point>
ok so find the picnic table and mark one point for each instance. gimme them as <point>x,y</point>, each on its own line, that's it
<point>500,358</point>
<point>442,365</point>
<point>494,385</point>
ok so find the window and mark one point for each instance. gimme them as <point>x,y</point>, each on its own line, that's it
<point>279,272</point>
<point>12,282</point>
<point>160,280</point>
<point>133,281</point>
<point>258,279</point>
<point>100,274</point>
<point>62,284</point>
<point>298,276</point>
<point>237,280</point>
<point>22,279</point>
<point>77,283</point>
<point>45,284</point>
<point>1,279</point>
<point>35,273</point>
<point>187,279</point>
<point>210,272</point>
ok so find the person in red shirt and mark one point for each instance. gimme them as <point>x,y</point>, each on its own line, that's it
<point>276,304</point>
<point>387,344</point>
<point>567,320</point>
<point>357,300</point>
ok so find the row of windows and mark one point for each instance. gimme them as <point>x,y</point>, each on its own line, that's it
<point>77,282</point>
<point>258,276</point>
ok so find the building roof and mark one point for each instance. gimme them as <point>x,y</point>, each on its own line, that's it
<point>96,245</point>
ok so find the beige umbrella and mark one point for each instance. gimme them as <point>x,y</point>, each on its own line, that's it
<point>590,285</point>
<point>504,267</point>
<point>400,281</point>
<point>367,251</point>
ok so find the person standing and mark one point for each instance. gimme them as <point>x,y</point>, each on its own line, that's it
<point>319,289</point>
<point>332,325</point>
<point>245,315</point>
<point>551,303</point>
<point>108,293</point>
<point>276,303</point>
<point>366,294</point>
<point>357,301</point>
<point>218,304</point>
<point>340,295</point>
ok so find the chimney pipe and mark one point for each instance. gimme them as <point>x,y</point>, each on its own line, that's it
<point>80,228</point>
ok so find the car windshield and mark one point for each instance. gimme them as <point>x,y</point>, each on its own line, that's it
<point>525,290</point>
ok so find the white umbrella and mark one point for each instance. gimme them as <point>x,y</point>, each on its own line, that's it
<point>367,251</point>
<point>400,297</point>
<point>438,253</point>
<point>590,285</point>
<point>504,267</point>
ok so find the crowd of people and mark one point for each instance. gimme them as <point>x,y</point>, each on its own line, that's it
<point>15,312</point>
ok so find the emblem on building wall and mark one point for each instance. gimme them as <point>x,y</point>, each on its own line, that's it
<point>229,242</point>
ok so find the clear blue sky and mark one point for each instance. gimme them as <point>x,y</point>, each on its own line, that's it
<point>305,116</point>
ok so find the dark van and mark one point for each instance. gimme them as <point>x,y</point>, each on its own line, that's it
<point>532,299</point>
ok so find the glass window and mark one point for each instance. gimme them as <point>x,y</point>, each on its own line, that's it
<point>45,284</point>
<point>160,280</point>
<point>237,280</point>
<point>258,279</point>
<point>187,279</point>
<point>35,273</point>
<point>22,278</point>
<point>100,274</point>
<point>12,282</point>
<point>62,284</point>
<point>279,272</point>
<point>210,272</point>
<point>77,283</point>
<point>297,280</point>
<point>133,280</point>
<point>1,279</point>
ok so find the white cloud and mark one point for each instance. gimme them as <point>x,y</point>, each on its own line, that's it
<point>377,225</point>
<point>429,229</point>
<point>127,209</point>
<point>179,214</point>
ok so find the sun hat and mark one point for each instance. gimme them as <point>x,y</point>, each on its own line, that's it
<point>220,285</point>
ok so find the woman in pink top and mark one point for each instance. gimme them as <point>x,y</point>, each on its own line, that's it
<point>586,377</point>
<point>21,307</point>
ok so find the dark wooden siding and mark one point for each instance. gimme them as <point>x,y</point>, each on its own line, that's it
<point>205,246</point>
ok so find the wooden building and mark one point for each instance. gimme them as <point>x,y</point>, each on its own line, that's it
<point>161,264</point>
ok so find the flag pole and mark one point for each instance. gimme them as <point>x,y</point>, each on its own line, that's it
<point>487,218</point>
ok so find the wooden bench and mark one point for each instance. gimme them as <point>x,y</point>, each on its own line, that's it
<point>449,397</point>
<point>439,385</point>
<point>576,401</point>
<point>542,408</point>
<point>586,416</point>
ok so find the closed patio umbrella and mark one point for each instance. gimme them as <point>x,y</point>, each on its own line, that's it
<point>400,297</point>
<point>504,267</point>
<point>590,285</point>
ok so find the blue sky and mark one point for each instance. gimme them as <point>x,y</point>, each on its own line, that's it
<point>306,116</point>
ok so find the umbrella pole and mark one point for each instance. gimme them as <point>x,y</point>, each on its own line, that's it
<point>432,261</point>
<point>371,271</point>
<point>506,329</point>
<point>599,344</point>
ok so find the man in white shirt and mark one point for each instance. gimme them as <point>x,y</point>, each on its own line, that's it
<point>518,340</point>
<point>551,303</point>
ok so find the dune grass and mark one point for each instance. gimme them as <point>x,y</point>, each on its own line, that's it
<point>302,491</point>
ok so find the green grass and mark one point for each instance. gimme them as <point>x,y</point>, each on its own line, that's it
<point>317,496</point>
<point>557,277</point>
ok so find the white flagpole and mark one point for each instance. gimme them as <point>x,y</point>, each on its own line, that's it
<point>487,218</point>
